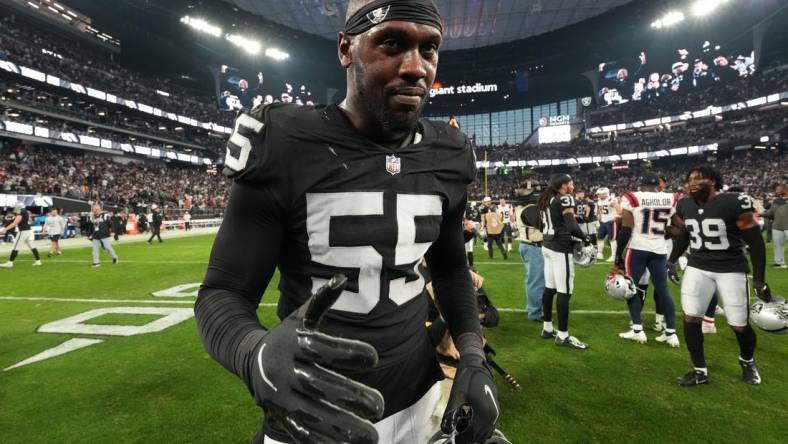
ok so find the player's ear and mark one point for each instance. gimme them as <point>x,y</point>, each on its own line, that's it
<point>344,44</point>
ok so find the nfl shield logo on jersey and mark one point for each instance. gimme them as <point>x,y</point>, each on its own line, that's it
<point>392,165</point>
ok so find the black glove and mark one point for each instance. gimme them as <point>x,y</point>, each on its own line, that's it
<point>762,291</point>
<point>473,406</point>
<point>293,380</point>
<point>673,273</point>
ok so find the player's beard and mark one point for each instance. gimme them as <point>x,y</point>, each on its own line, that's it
<point>702,195</point>
<point>392,123</point>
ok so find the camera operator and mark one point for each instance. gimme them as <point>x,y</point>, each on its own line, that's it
<point>527,218</point>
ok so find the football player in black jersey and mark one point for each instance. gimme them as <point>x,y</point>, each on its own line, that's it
<point>365,188</point>
<point>26,236</point>
<point>716,226</point>
<point>561,232</point>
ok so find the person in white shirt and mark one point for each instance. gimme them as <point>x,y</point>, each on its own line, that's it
<point>54,226</point>
<point>187,221</point>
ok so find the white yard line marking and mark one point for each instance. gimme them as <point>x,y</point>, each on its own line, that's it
<point>76,261</point>
<point>182,302</point>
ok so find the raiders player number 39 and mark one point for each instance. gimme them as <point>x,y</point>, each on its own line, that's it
<point>365,188</point>
<point>716,226</point>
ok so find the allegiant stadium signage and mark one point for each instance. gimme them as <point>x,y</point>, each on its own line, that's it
<point>439,90</point>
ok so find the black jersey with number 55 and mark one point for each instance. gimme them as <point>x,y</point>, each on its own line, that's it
<point>556,234</point>
<point>715,240</point>
<point>313,197</point>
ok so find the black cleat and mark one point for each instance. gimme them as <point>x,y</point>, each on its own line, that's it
<point>114,260</point>
<point>749,372</point>
<point>548,334</point>
<point>694,377</point>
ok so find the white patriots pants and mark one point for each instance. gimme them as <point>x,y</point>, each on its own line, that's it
<point>409,426</point>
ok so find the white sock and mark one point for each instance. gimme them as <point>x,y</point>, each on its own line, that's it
<point>600,246</point>
<point>659,318</point>
<point>746,360</point>
<point>637,327</point>
<point>670,331</point>
<point>547,326</point>
<point>613,245</point>
<point>563,335</point>
<point>703,370</point>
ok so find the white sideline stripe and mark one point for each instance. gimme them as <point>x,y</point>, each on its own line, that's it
<point>76,261</point>
<point>182,302</point>
<point>517,263</point>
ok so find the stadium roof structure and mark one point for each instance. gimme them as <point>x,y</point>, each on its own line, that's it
<point>469,23</point>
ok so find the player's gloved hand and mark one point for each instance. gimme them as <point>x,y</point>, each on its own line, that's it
<point>673,273</point>
<point>294,381</point>
<point>472,409</point>
<point>762,291</point>
<point>586,240</point>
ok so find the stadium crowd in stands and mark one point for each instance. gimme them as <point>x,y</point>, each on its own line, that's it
<point>23,44</point>
<point>116,117</point>
<point>756,171</point>
<point>72,173</point>
<point>770,79</point>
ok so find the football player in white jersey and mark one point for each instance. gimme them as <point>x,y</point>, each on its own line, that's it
<point>607,207</point>
<point>507,214</point>
<point>645,214</point>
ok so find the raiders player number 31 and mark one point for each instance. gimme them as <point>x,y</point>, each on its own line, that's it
<point>365,188</point>
<point>716,226</point>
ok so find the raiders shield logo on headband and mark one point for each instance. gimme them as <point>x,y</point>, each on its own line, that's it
<point>378,15</point>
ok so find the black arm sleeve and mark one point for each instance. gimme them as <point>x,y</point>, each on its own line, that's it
<point>623,239</point>
<point>572,226</point>
<point>752,237</point>
<point>242,262</point>
<point>680,245</point>
<point>451,280</point>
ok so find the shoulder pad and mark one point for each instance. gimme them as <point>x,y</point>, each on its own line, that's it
<point>248,127</point>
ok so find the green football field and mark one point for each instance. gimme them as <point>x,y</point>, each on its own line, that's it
<point>126,385</point>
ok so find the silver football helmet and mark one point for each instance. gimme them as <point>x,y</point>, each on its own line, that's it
<point>771,316</point>
<point>584,255</point>
<point>618,286</point>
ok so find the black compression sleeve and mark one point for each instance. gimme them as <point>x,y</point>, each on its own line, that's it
<point>242,262</point>
<point>623,239</point>
<point>680,245</point>
<point>752,237</point>
<point>574,228</point>
<point>451,280</point>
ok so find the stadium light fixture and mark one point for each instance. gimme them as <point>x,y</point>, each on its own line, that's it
<point>33,5</point>
<point>202,25</point>
<point>276,54</point>
<point>702,8</point>
<point>249,45</point>
<point>669,19</point>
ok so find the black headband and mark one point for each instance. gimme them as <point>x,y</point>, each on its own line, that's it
<point>379,11</point>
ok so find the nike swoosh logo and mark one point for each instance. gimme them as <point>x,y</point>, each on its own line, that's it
<point>488,392</point>
<point>262,370</point>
